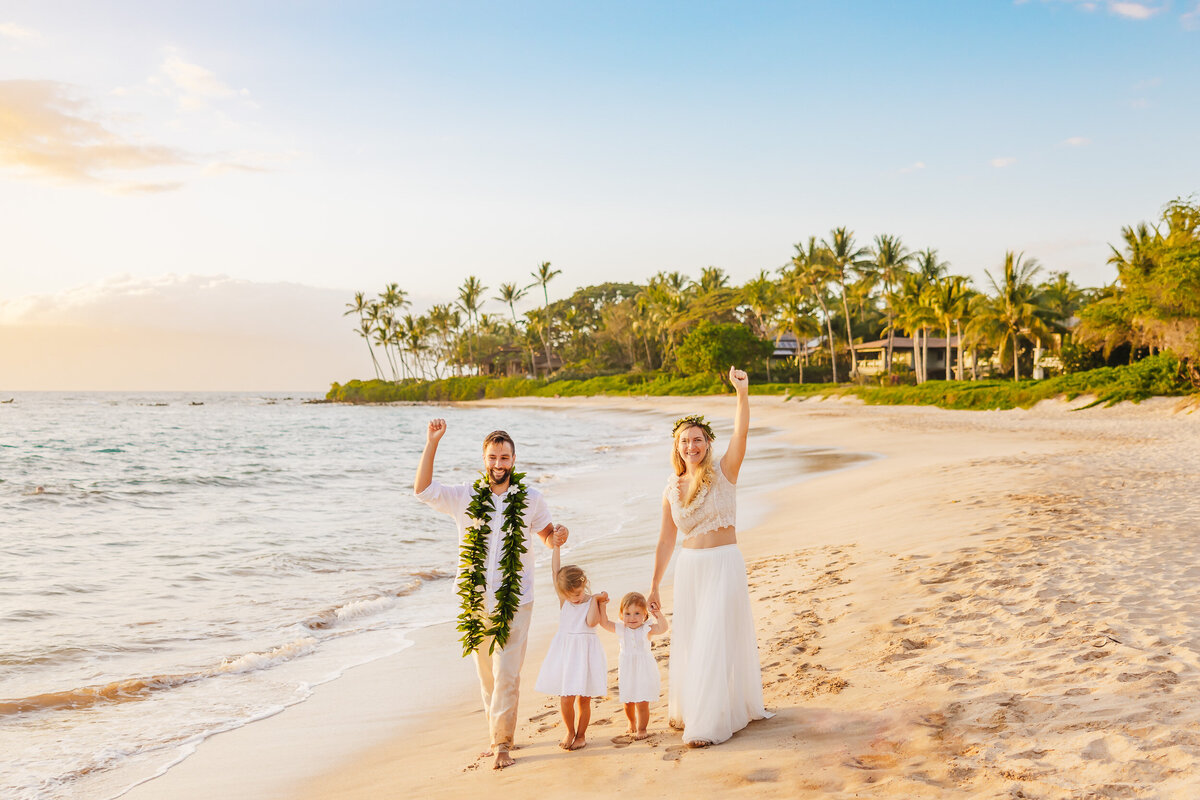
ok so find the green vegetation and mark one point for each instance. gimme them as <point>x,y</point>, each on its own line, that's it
<point>485,388</point>
<point>894,322</point>
<point>1161,375</point>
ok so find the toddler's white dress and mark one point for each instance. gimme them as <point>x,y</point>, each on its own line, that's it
<point>575,663</point>
<point>637,674</point>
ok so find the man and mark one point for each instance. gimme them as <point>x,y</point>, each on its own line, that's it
<point>497,518</point>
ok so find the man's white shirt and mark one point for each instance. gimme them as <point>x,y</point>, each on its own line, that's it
<point>453,500</point>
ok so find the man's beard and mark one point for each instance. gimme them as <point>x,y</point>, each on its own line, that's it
<point>504,476</point>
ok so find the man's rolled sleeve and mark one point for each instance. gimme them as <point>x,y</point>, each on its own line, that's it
<point>439,497</point>
<point>539,514</point>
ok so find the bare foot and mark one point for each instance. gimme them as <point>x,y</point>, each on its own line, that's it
<point>503,759</point>
<point>630,731</point>
<point>698,743</point>
<point>641,734</point>
<point>579,743</point>
<point>565,744</point>
<point>487,753</point>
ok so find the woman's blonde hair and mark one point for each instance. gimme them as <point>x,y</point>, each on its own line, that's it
<point>636,599</point>
<point>570,578</point>
<point>704,475</point>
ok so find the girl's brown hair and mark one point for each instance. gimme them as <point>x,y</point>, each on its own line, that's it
<point>636,599</point>
<point>704,475</point>
<point>570,578</point>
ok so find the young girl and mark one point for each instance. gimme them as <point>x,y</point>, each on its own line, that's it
<point>637,673</point>
<point>575,668</point>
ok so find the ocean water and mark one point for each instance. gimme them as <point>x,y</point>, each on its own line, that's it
<point>176,565</point>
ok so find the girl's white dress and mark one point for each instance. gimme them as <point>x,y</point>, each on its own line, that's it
<point>637,674</point>
<point>575,663</point>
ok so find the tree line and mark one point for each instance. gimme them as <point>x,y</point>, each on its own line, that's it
<point>832,292</point>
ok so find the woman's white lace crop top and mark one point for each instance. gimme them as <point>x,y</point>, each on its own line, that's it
<point>714,507</point>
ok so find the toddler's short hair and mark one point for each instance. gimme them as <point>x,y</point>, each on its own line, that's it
<point>570,578</point>
<point>636,599</point>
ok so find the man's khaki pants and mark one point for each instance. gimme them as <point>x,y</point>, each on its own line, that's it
<point>500,678</point>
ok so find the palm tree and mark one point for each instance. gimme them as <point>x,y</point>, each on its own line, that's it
<point>361,307</point>
<point>542,277</point>
<point>1141,245</point>
<point>676,282</point>
<point>891,265</point>
<point>810,273</point>
<point>949,298</point>
<point>1016,309</point>
<point>412,334</point>
<point>509,295</point>
<point>930,266</point>
<point>470,300</point>
<point>844,257</point>
<point>796,317</point>
<point>915,315</point>
<point>1062,294</point>
<point>391,300</point>
<point>444,320</point>
<point>711,279</point>
<point>761,296</point>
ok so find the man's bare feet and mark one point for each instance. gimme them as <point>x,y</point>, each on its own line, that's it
<point>565,744</point>
<point>579,743</point>
<point>503,759</point>
<point>641,734</point>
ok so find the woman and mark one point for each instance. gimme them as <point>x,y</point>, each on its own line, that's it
<point>715,681</point>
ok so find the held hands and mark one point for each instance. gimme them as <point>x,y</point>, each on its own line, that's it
<point>557,537</point>
<point>437,429</point>
<point>652,602</point>
<point>601,598</point>
<point>739,379</point>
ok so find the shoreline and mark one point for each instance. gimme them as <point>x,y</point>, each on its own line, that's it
<point>273,756</point>
<point>878,593</point>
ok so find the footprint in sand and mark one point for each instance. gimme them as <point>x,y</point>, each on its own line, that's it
<point>674,752</point>
<point>762,776</point>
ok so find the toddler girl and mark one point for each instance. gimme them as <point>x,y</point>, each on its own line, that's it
<point>637,673</point>
<point>575,668</point>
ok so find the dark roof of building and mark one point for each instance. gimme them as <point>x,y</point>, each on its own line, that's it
<point>905,342</point>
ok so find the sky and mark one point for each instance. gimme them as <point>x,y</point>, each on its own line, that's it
<point>188,187</point>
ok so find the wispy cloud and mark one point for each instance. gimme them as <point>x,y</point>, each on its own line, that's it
<point>52,130</point>
<point>1001,163</point>
<point>11,30</point>
<point>1134,10</point>
<point>914,167</point>
<point>186,302</point>
<point>48,131</point>
<point>192,85</point>
<point>179,332</point>
<point>1077,141</point>
<point>1191,20</point>
<point>1130,10</point>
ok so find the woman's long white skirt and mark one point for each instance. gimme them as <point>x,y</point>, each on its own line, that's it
<point>715,679</point>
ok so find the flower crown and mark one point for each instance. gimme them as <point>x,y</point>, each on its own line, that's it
<point>694,419</point>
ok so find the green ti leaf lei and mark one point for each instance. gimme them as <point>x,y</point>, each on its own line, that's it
<point>473,623</point>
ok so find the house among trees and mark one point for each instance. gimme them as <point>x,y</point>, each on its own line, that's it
<point>872,356</point>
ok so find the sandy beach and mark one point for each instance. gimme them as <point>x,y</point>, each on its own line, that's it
<point>1001,605</point>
